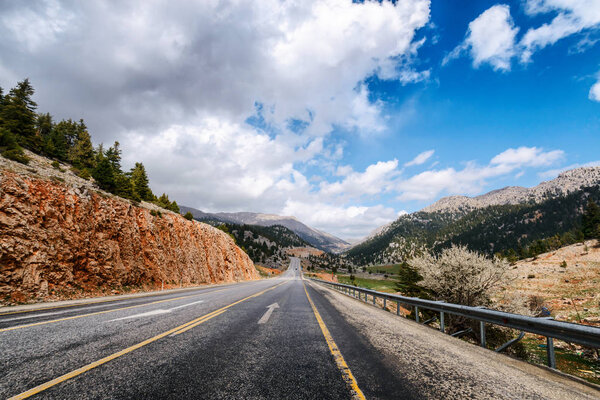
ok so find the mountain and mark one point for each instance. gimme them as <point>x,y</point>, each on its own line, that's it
<point>266,245</point>
<point>565,183</point>
<point>512,219</point>
<point>314,237</point>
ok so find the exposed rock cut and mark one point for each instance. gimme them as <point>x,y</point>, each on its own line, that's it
<point>58,240</point>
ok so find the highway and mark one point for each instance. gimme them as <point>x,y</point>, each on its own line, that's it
<point>279,338</point>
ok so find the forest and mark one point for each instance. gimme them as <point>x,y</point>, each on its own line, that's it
<point>69,141</point>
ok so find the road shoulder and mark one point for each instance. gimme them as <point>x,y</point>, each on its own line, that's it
<point>440,366</point>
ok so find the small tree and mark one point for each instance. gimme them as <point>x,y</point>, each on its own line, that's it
<point>461,276</point>
<point>591,221</point>
<point>139,180</point>
<point>189,216</point>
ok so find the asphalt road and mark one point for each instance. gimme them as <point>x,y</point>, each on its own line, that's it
<point>142,347</point>
<point>277,339</point>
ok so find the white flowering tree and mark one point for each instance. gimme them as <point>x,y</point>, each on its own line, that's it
<point>458,275</point>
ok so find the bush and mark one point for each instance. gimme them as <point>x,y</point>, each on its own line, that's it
<point>55,165</point>
<point>188,215</point>
<point>17,155</point>
<point>461,276</point>
<point>563,264</point>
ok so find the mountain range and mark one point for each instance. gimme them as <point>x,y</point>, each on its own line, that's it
<point>500,221</point>
<point>312,236</point>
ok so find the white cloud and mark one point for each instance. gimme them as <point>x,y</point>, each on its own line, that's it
<point>420,158</point>
<point>490,39</point>
<point>527,157</point>
<point>351,222</point>
<point>37,29</point>
<point>473,178</point>
<point>376,179</point>
<point>595,91</point>
<point>573,16</point>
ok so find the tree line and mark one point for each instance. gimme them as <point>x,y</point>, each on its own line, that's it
<point>70,142</point>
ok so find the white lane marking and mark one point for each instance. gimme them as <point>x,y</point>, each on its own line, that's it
<point>57,312</point>
<point>267,315</point>
<point>156,312</point>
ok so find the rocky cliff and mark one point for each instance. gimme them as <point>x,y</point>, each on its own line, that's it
<point>58,240</point>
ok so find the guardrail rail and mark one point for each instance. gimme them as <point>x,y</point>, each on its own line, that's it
<point>545,326</point>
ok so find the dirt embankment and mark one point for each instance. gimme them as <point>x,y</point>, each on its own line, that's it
<point>60,240</point>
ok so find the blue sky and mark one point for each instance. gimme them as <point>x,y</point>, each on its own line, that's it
<point>343,114</point>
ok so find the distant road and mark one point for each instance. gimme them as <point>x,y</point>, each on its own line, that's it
<point>280,338</point>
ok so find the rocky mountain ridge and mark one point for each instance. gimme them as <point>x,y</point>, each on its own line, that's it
<point>511,218</point>
<point>566,182</point>
<point>60,237</point>
<point>314,237</point>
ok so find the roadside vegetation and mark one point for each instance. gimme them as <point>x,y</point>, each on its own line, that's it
<point>70,142</point>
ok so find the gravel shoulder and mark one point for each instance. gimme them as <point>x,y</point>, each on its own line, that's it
<point>440,366</point>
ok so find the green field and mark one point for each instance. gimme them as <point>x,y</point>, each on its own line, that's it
<point>381,285</point>
<point>386,269</point>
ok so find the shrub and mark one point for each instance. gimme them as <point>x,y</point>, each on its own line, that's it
<point>461,276</point>
<point>17,155</point>
<point>563,264</point>
<point>188,215</point>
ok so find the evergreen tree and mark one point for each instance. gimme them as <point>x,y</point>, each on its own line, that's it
<point>43,125</point>
<point>591,221</point>
<point>82,154</point>
<point>103,173</point>
<point>113,154</point>
<point>18,114</point>
<point>140,183</point>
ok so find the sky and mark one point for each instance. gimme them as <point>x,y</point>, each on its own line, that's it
<point>343,114</point>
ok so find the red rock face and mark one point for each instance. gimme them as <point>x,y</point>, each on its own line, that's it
<point>57,241</point>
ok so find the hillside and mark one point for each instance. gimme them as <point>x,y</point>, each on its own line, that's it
<point>61,237</point>
<point>491,223</point>
<point>566,281</point>
<point>266,245</point>
<point>314,237</point>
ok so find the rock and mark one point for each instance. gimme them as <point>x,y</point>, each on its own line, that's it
<point>55,238</point>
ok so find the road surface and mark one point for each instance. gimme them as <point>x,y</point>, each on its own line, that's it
<point>281,338</point>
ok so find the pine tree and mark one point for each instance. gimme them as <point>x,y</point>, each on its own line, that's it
<point>18,114</point>
<point>140,183</point>
<point>82,154</point>
<point>113,154</point>
<point>103,173</point>
<point>591,221</point>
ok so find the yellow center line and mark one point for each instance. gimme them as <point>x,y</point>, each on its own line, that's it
<point>337,354</point>
<point>12,328</point>
<point>177,330</point>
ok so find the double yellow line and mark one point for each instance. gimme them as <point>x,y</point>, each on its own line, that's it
<point>175,331</point>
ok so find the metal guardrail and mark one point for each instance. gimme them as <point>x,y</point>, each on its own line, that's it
<point>546,326</point>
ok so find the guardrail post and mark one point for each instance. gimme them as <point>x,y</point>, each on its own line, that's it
<point>482,333</point>
<point>550,352</point>
<point>384,303</point>
<point>397,308</point>
<point>442,327</point>
<point>417,314</point>
<point>374,299</point>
